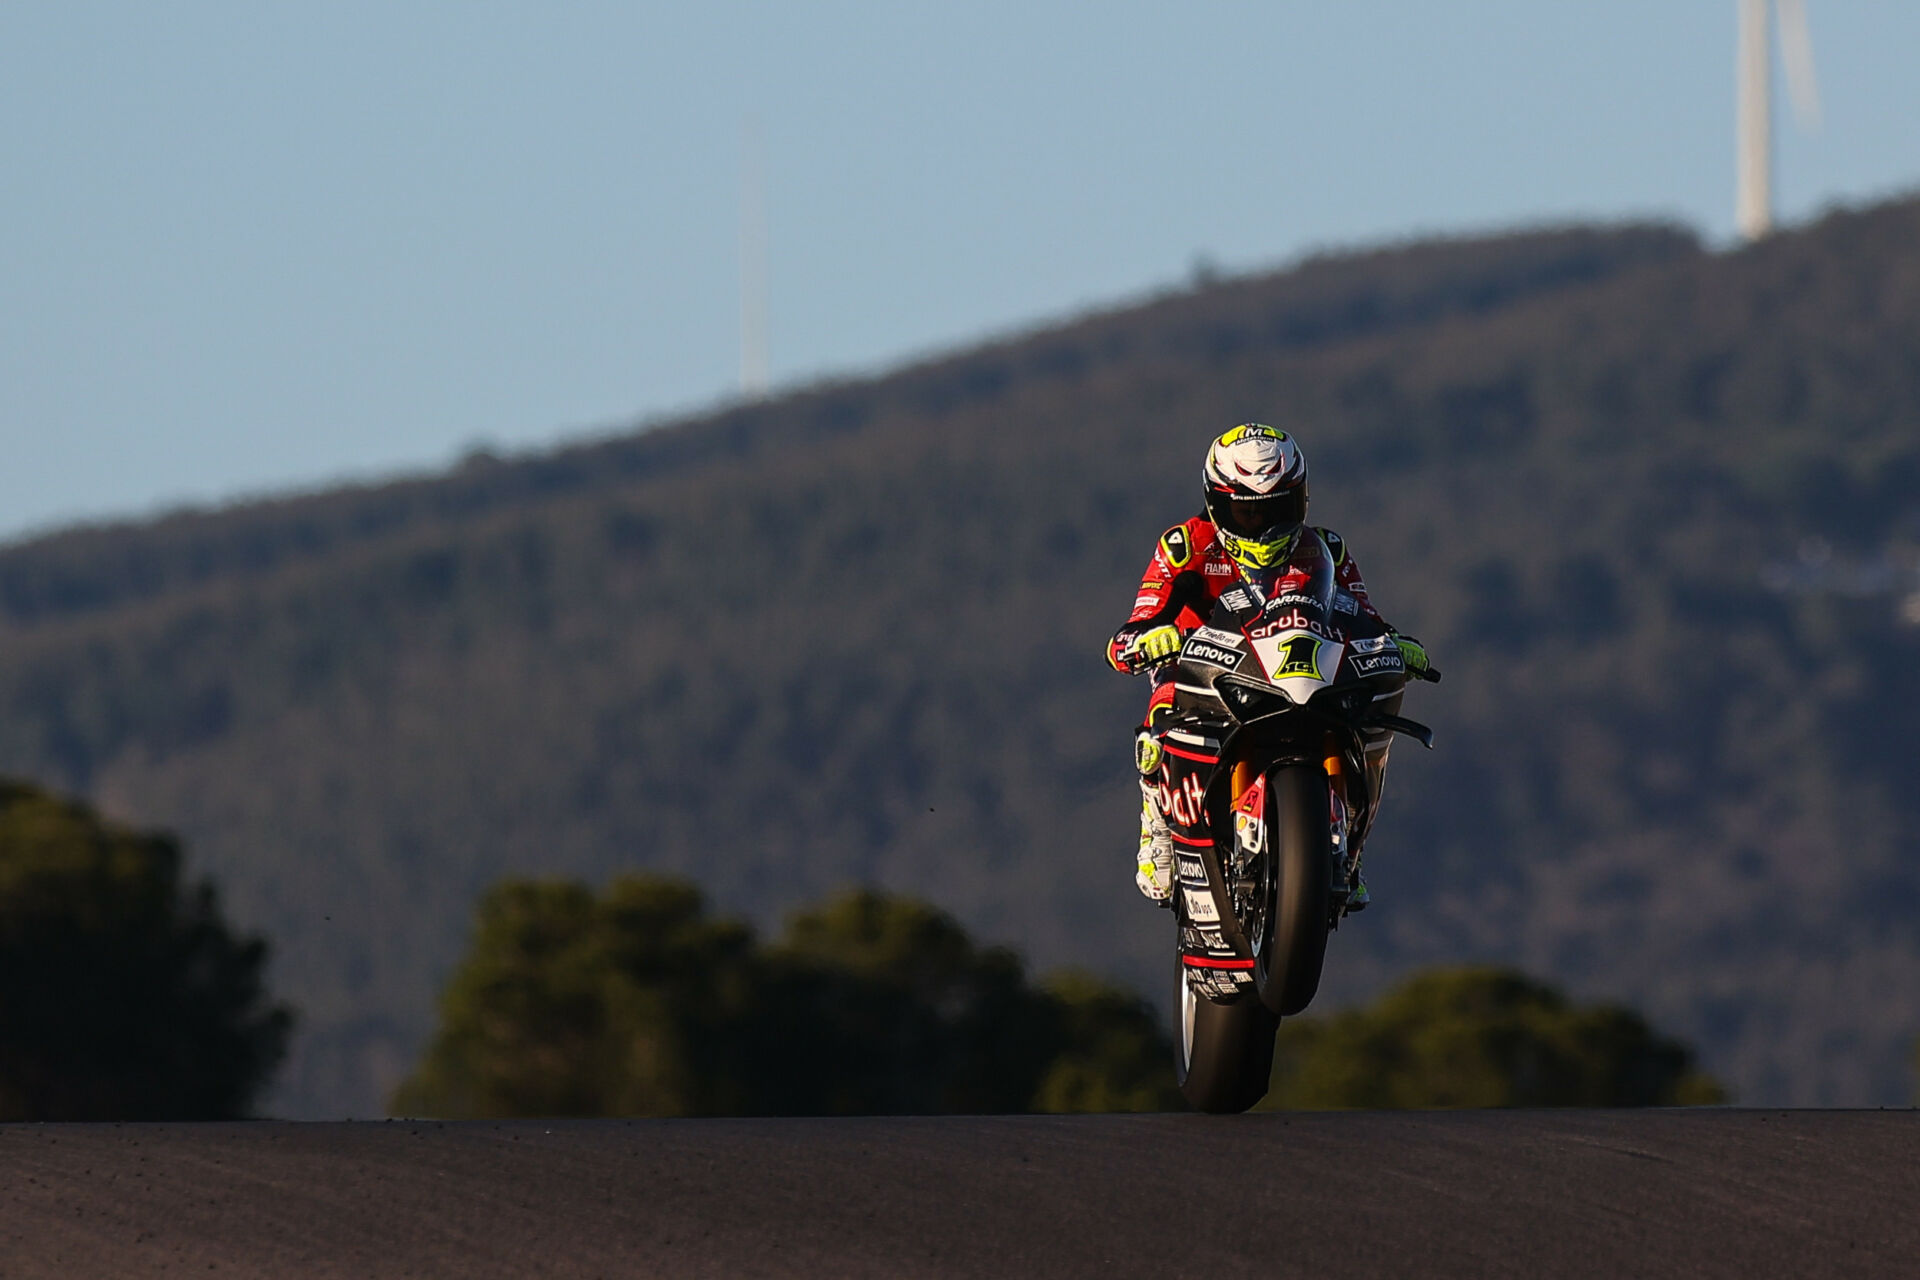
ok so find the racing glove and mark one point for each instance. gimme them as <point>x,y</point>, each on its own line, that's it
<point>1414,655</point>
<point>1154,645</point>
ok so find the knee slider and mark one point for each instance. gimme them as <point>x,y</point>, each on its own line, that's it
<point>1146,753</point>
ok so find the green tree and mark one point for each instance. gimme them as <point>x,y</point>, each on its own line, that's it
<point>124,995</point>
<point>636,1002</point>
<point>890,1007</point>
<point>1481,1037</point>
<point>570,1003</point>
<point>1113,1052</point>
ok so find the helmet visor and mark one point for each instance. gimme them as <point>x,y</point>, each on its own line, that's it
<point>1275,513</point>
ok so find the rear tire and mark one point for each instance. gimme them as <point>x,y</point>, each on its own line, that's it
<point>1223,1053</point>
<point>1288,959</point>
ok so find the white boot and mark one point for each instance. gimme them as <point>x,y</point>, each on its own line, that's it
<point>1155,876</point>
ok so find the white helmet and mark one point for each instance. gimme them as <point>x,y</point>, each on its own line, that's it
<point>1256,487</point>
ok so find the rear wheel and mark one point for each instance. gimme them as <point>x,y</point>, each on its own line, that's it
<point>1224,1052</point>
<point>1290,944</point>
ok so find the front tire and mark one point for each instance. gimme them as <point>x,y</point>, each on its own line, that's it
<point>1223,1055</point>
<point>1292,947</point>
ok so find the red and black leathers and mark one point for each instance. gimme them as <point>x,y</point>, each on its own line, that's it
<point>1188,572</point>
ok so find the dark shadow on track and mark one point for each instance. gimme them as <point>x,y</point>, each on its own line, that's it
<point>1523,1194</point>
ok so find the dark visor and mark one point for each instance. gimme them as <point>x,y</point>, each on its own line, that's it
<point>1249,517</point>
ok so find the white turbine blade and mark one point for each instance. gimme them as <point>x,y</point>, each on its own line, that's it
<point>1796,51</point>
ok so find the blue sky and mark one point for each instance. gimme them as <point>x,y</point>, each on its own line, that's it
<point>246,247</point>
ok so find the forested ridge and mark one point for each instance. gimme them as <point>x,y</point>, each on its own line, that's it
<point>1655,510</point>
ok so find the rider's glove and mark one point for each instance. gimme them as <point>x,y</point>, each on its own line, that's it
<point>1413,654</point>
<point>1155,644</point>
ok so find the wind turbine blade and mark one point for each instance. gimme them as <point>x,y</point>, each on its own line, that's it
<point>1796,51</point>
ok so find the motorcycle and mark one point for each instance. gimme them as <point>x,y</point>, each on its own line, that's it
<point>1280,700</point>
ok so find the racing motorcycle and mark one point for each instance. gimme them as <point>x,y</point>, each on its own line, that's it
<point>1263,781</point>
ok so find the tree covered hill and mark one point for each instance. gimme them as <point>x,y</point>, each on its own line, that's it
<point>1655,510</point>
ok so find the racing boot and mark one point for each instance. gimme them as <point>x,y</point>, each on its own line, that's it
<point>1155,874</point>
<point>1155,863</point>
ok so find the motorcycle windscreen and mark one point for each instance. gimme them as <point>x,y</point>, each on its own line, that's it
<point>1294,637</point>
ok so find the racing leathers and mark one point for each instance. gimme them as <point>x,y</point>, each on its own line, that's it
<point>1188,573</point>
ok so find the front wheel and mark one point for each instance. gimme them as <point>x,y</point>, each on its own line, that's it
<point>1224,1054</point>
<point>1290,944</point>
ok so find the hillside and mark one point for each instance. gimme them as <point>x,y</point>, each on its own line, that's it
<point>1655,511</point>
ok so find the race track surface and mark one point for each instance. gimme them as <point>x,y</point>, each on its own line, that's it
<point>1522,1194</point>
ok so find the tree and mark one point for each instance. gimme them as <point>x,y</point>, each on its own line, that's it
<point>123,994</point>
<point>570,1003</point>
<point>1114,1053</point>
<point>1482,1037</point>
<point>635,1002</point>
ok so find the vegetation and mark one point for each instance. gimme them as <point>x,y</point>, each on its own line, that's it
<point>1481,1037</point>
<point>123,993</point>
<point>636,1002</point>
<point>1656,512</point>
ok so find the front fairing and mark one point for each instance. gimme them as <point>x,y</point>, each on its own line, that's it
<point>1277,626</point>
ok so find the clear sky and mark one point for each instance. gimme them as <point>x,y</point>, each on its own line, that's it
<point>246,247</point>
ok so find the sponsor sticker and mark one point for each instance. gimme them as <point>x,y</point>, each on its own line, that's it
<point>1344,603</point>
<point>1217,636</point>
<point>1375,644</point>
<point>1146,602</point>
<point>1200,905</point>
<point>1237,600</point>
<point>1184,803</point>
<point>1213,654</point>
<point>1214,569</point>
<point>1293,621</point>
<point>1374,664</point>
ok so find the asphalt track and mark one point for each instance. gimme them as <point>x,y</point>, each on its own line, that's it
<point>1523,1194</point>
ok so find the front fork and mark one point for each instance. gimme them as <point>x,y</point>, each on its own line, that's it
<point>1247,803</point>
<point>1340,832</point>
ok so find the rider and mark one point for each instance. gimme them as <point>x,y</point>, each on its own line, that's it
<point>1256,504</point>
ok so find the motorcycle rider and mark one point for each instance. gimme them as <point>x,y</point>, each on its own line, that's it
<point>1255,484</point>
